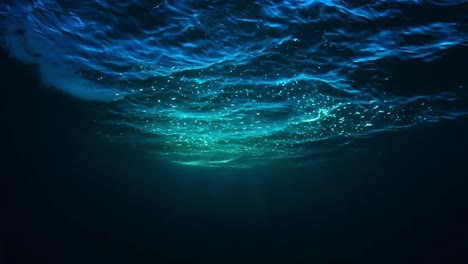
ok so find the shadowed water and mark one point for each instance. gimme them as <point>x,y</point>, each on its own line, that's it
<point>243,83</point>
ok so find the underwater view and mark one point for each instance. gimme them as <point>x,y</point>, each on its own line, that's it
<point>156,126</point>
<point>245,83</point>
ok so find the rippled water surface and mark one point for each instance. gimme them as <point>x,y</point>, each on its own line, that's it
<point>243,83</point>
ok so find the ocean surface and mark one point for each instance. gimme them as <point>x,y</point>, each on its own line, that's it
<point>245,83</point>
<point>234,131</point>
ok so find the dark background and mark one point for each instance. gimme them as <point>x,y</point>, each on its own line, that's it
<point>68,196</point>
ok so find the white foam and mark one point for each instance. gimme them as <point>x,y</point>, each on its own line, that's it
<point>23,43</point>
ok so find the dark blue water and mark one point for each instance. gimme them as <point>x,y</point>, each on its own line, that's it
<point>233,131</point>
<point>245,83</point>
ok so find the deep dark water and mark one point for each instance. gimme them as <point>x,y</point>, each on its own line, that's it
<point>70,197</point>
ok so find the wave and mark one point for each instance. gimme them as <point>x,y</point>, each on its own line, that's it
<point>219,83</point>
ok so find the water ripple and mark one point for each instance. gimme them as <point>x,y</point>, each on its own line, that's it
<point>219,83</point>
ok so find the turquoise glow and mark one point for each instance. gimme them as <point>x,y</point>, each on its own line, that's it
<point>243,83</point>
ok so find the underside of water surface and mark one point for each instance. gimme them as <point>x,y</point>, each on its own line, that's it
<point>244,83</point>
